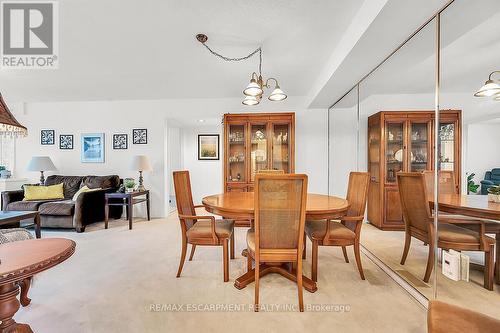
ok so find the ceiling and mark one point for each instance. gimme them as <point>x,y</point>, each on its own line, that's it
<point>123,49</point>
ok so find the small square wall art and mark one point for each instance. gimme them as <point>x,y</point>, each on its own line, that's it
<point>120,141</point>
<point>140,136</point>
<point>66,141</point>
<point>47,137</point>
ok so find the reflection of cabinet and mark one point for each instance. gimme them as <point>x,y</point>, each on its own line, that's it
<point>404,141</point>
<point>254,142</point>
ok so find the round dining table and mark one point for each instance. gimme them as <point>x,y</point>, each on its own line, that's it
<point>21,260</point>
<point>475,206</point>
<point>240,206</point>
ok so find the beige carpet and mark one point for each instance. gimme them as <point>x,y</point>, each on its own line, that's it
<point>116,276</point>
<point>388,247</point>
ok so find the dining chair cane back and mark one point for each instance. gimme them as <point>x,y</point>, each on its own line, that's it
<point>200,230</point>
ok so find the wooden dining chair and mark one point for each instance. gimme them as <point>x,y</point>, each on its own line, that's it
<point>280,210</point>
<point>200,230</point>
<point>447,318</point>
<point>419,223</point>
<point>271,172</point>
<point>447,184</point>
<point>348,231</point>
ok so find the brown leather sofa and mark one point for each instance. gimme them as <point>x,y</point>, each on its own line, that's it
<point>66,213</point>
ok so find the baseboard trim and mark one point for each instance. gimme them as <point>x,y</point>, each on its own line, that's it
<point>413,292</point>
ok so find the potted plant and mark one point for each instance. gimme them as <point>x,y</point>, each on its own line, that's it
<point>494,193</point>
<point>129,184</point>
<point>471,185</point>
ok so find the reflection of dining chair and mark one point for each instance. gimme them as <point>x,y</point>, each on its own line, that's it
<point>347,232</point>
<point>447,183</point>
<point>280,209</point>
<point>271,172</point>
<point>419,223</point>
<point>200,230</point>
<point>448,318</point>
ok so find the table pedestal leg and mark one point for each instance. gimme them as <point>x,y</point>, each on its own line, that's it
<point>8,308</point>
<point>283,269</point>
<point>497,259</point>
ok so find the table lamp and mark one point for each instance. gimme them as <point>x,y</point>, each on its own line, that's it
<point>140,163</point>
<point>41,163</point>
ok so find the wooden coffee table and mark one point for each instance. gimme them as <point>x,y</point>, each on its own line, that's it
<point>21,260</point>
<point>128,200</point>
<point>7,217</point>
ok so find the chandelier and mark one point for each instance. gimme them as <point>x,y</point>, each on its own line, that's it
<point>9,126</point>
<point>255,89</point>
<point>491,88</point>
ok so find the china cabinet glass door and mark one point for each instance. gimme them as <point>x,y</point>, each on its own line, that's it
<point>281,151</point>
<point>419,146</point>
<point>258,150</point>
<point>447,146</point>
<point>394,150</point>
<point>374,153</point>
<point>236,153</point>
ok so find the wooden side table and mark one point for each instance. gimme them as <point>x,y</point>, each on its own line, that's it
<point>128,200</point>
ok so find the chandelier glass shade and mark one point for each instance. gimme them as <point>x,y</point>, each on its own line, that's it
<point>490,88</point>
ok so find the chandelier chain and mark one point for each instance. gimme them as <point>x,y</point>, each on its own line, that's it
<point>258,50</point>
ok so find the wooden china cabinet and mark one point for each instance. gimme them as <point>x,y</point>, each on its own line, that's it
<point>254,142</point>
<point>404,141</point>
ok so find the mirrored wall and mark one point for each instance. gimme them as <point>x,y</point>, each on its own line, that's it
<point>388,125</point>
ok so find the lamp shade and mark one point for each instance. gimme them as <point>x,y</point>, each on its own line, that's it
<point>140,163</point>
<point>277,95</point>
<point>250,100</point>
<point>253,89</point>
<point>489,89</point>
<point>8,124</point>
<point>41,163</point>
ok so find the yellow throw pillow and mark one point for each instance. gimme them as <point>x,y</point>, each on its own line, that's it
<point>80,191</point>
<point>43,192</point>
<point>84,189</point>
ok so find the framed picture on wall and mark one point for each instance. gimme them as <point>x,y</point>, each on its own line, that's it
<point>66,141</point>
<point>139,136</point>
<point>93,148</point>
<point>208,147</point>
<point>120,141</point>
<point>47,137</point>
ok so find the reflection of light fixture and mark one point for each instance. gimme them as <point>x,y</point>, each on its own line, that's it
<point>497,97</point>
<point>490,88</point>
<point>9,126</point>
<point>255,89</point>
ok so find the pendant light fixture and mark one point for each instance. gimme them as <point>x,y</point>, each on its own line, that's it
<point>255,89</point>
<point>490,88</point>
<point>9,126</point>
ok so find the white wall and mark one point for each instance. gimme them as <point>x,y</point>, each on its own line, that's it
<point>95,117</point>
<point>310,150</point>
<point>206,176</point>
<point>111,117</point>
<point>482,153</point>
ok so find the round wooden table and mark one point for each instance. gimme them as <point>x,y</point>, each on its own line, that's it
<point>475,206</point>
<point>21,260</point>
<point>240,205</point>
